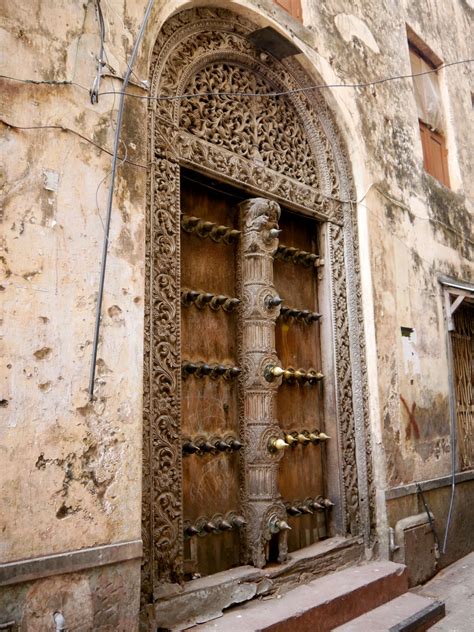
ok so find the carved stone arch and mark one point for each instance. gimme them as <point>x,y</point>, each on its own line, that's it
<point>315,181</point>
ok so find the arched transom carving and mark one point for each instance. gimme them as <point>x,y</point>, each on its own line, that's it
<point>287,146</point>
<point>261,129</point>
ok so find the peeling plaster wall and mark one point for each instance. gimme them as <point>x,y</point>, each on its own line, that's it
<point>71,471</point>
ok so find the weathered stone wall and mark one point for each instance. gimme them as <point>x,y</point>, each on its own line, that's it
<point>71,471</point>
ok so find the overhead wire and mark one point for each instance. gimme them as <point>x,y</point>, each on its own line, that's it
<point>191,95</point>
<point>62,128</point>
<point>282,93</point>
<point>94,91</point>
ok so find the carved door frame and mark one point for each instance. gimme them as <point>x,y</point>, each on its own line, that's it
<point>222,38</point>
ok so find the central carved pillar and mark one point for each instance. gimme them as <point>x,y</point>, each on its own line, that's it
<point>260,307</point>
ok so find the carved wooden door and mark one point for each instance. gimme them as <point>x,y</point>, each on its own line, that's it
<point>251,390</point>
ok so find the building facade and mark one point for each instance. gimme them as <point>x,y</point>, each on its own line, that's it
<point>282,383</point>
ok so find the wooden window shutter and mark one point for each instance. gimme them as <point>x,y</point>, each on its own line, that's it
<point>293,7</point>
<point>434,154</point>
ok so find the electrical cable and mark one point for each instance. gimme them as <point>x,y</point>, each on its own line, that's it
<point>72,131</point>
<point>284,93</point>
<point>100,295</point>
<point>94,91</point>
<point>49,82</point>
<point>366,84</point>
<point>419,492</point>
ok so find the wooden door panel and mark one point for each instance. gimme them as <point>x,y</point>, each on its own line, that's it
<point>300,405</point>
<point>208,335</point>
<point>207,266</point>
<point>211,554</point>
<point>209,402</point>
<point>212,485</point>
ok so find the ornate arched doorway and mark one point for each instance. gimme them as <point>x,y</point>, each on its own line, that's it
<point>229,171</point>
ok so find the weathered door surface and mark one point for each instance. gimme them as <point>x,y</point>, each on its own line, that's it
<point>299,400</point>
<point>252,413</point>
<point>210,408</point>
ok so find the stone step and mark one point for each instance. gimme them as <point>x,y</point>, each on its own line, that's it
<point>321,605</point>
<point>407,613</point>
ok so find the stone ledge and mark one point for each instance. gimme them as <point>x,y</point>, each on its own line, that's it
<point>68,562</point>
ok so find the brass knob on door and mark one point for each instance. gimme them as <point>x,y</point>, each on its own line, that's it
<point>189,368</point>
<point>273,372</point>
<point>291,439</point>
<point>273,301</point>
<point>314,376</point>
<point>191,530</point>
<point>232,372</point>
<point>302,438</point>
<point>204,228</point>
<point>274,445</point>
<point>276,524</point>
<point>293,511</point>
<point>301,375</point>
<point>235,444</point>
<point>190,448</point>
<point>218,232</point>
<point>203,370</point>
<point>224,525</point>
<point>206,446</point>
<point>218,370</point>
<point>209,527</point>
<point>231,236</point>
<point>203,299</point>
<point>221,445</point>
<point>322,436</point>
<point>309,259</point>
<point>189,297</point>
<point>230,304</point>
<point>327,503</point>
<point>238,522</point>
<point>217,301</point>
<point>189,223</point>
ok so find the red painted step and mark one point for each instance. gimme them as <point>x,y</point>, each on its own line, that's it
<point>321,605</point>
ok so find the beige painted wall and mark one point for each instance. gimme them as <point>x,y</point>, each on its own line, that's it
<point>70,474</point>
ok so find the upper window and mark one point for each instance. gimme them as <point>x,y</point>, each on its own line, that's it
<point>292,6</point>
<point>429,107</point>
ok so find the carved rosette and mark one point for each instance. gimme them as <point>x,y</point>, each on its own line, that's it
<point>258,217</point>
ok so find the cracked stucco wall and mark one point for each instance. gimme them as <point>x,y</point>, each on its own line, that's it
<point>71,472</point>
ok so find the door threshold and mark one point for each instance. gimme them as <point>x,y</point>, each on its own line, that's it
<point>199,600</point>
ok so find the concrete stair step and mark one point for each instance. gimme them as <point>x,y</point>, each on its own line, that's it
<point>321,605</point>
<point>407,613</point>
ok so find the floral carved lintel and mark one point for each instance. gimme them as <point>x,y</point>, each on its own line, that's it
<point>188,150</point>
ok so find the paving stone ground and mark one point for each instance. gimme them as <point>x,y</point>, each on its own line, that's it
<point>455,586</point>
